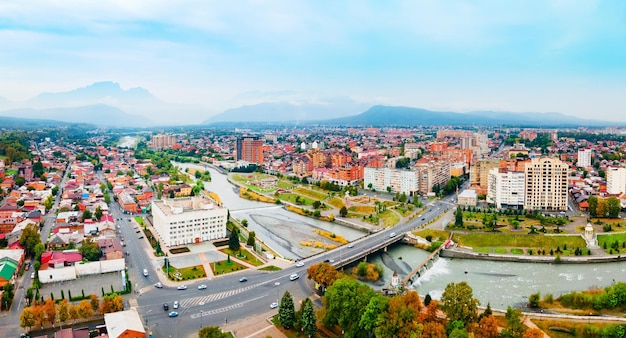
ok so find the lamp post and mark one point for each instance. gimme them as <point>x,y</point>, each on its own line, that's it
<point>145,316</point>
<point>201,318</point>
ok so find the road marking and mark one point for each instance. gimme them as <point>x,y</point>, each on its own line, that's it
<point>224,309</point>
<point>198,301</point>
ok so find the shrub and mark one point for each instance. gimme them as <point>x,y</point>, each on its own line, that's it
<point>533,300</point>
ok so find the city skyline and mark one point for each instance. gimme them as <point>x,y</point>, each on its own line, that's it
<point>551,56</point>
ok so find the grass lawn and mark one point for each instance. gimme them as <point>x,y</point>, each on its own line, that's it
<point>517,251</point>
<point>310,193</point>
<point>336,202</point>
<point>499,250</point>
<point>292,199</point>
<point>479,240</point>
<point>405,210</point>
<point>436,234</point>
<point>222,267</point>
<point>140,221</point>
<point>270,268</point>
<point>282,184</point>
<point>574,326</point>
<point>215,196</point>
<point>362,209</point>
<point>248,257</point>
<point>188,273</point>
<point>483,250</point>
<point>389,218</point>
<point>610,239</point>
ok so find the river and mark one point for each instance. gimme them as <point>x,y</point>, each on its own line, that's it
<point>501,284</point>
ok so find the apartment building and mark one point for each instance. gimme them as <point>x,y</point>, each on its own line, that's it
<point>506,188</point>
<point>432,173</point>
<point>479,174</point>
<point>615,180</point>
<point>584,158</point>
<point>161,141</point>
<point>546,184</point>
<point>250,149</point>
<point>188,220</point>
<point>399,180</point>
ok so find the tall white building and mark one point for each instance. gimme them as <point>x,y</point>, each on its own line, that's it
<point>584,158</point>
<point>188,220</point>
<point>546,184</point>
<point>399,180</point>
<point>615,180</point>
<point>506,188</point>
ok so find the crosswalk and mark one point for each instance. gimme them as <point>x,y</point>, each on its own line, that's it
<point>224,309</point>
<point>198,301</point>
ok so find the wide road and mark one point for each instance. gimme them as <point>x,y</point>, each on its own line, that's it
<point>228,299</point>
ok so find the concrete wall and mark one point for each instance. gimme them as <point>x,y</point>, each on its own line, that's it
<point>57,275</point>
<point>456,253</point>
<point>72,272</point>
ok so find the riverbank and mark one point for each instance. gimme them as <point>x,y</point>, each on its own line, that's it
<point>467,253</point>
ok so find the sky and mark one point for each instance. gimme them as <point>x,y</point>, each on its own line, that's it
<point>523,56</point>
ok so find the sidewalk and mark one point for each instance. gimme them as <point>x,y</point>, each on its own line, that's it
<point>254,326</point>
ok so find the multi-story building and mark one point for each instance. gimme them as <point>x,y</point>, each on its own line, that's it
<point>584,158</point>
<point>399,180</point>
<point>432,173</point>
<point>479,174</point>
<point>188,220</point>
<point>161,141</point>
<point>506,188</point>
<point>546,184</point>
<point>615,180</point>
<point>250,149</point>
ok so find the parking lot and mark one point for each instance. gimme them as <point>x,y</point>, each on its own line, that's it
<point>91,284</point>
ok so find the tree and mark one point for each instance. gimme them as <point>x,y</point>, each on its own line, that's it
<point>49,308</point>
<point>7,295</point>
<point>434,330</point>
<point>19,181</point>
<point>533,300</point>
<point>251,239</point>
<point>593,204</point>
<point>458,302</point>
<point>38,314</point>
<point>343,212</point>
<point>98,213</point>
<point>244,223</point>
<point>27,320</point>
<point>602,209</point>
<point>172,195</point>
<point>212,332</point>
<point>308,318</point>
<point>345,301</point>
<point>487,327</point>
<point>94,301</point>
<point>323,274</point>
<point>613,206</point>
<point>458,217</point>
<point>401,317</point>
<point>233,240</point>
<point>86,214</point>
<point>369,320</point>
<point>73,312</point>
<point>533,333</point>
<point>85,308</point>
<point>30,238</point>
<point>90,250</point>
<point>286,311</point>
<point>515,328</point>
<point>63,310</point>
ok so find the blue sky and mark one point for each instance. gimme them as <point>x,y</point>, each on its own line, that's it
<point>540,56</point>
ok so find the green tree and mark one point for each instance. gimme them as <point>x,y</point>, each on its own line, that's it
<point>533,300</point>
<point>369,319</point>
<point>251,239</point>
<point>30,238</point>
<point>613,206</point>
<point>308,318</point>
<point>212,332</point>
<point>244,223</point>
<point>593,204</point>
<point>286,311</point>
<point>86,214</point>
<point>343,212</point>
<point>19,181</point>
<point>345,302</point>
<point>7,295</point>
<point>515,328</point>
<point>458,217</point>
<point>98,213</point>
<point>233,240</point>
<point>90,250</point>
<point>458,302</point>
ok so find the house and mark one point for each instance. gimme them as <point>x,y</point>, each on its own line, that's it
<point>10,263</point>
<point>16,233</point>
<point>56,259</point>
<point>125,324</point>
<point>111,248</point>
<point>73,333</point>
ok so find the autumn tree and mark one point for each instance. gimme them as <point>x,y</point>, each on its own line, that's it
<point>308,318</point>
<point>73,312</point>
<point>602,209</point>
<point>286,311</point>
<point>431,312</point>
<point>27,320</point>
<point>63,310</point>
<point>85,308</point>
<point>50,310</point>
<point>323,273</point>
<point>94,301</point>
<point>401,317</point>
<point>458,302</point>
<point>38,314</point>
<point>434,330</point>
<point>533,333</point>
<point>345,301</point>
<point>487,327</point>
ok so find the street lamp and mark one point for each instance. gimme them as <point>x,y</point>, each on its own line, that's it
<point>201,317</point>
<point>145,316</point>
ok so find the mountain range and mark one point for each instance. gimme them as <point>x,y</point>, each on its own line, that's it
<point>107,104</point>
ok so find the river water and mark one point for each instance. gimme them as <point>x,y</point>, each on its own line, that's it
<point>501,284</point>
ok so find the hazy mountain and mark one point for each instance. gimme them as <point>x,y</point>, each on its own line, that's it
<point>134,101</point>
<point>99,115</point>
<point>289,112</point>
<point>392,115</point>
<point>21,123</point>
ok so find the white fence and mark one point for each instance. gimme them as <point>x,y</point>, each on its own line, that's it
<point>81,269</point>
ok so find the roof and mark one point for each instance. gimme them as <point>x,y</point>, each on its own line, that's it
<point>121,322</point>
<point>7,268</point>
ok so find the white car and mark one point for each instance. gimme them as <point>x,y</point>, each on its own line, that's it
<point>273,305</point>
<point>351,245</point>
<point>294,276</point>
<point>32,275</point>
<point>201,287</point>
<point>182,287</point>
<point>158,285</point>
<point>175,306</point>
<point>300,264</point>
<point>393,234</point>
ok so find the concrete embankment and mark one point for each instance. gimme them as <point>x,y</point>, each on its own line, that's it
<point>466,254</point>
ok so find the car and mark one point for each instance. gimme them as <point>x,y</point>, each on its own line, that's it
<point>277,283</point>
<point>393,234</point>
<point>158,285</point>
<point>201,287</point>
<point>300,264</point>
<point>32,275</point>
<point>273,305</point>
<point>140,237</point>
<point>182,287</point>
<point>294,276</point>
<point>145,272</point>
<point>138,231</point>
<point>122,238</point>
<point>351,245</point>
<point>243,279</point>
<point>327,261</point>
<point>173,314</point>
<point>175,306</point>
<point>166,307</point>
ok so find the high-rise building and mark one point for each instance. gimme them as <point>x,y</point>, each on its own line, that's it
<point>584,158</point>
<point>432,173</point>
<point>506,188</point>
<point>479,174</point>
<point>399,180</point>
<point>615,180</point>
<point>188,220</point>
<point>250,149</point>
<point>546,184</point>
<point>161,141</point>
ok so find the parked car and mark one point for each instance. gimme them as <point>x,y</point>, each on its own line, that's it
<point>32,275</point>
<point>182,287</point>
<point>273,305</point>
<point>173,314</point>
<point>158,285</point>
<point>201,287</point>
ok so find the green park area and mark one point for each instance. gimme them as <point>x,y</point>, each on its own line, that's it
<point>187,273</point>
<point>226,266</point>
<point>243,255</point>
